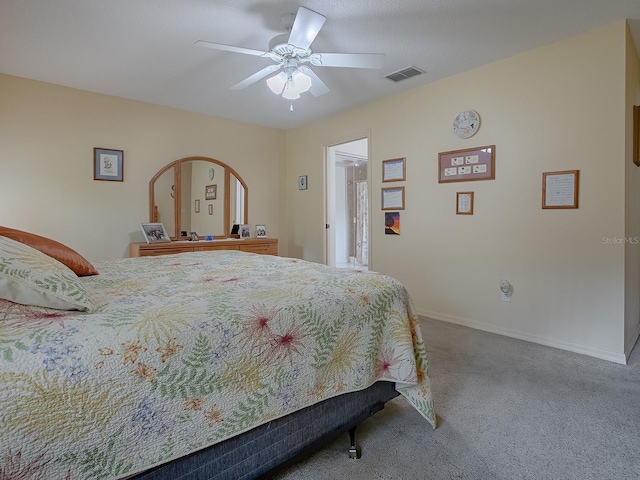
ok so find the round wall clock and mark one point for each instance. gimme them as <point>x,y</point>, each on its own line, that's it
<point>466,124</point>
<point>211,173</point>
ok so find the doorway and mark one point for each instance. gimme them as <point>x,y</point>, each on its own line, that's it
<point>347,195</point>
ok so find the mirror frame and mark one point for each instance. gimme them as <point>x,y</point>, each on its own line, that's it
<point>177,198</point>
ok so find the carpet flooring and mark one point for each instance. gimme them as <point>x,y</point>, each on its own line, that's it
<point>507,409</point>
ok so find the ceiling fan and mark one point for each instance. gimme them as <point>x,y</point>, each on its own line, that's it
<point>292,52</point>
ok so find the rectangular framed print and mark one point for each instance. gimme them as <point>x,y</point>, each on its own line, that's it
<point>560,189</point>
<point>467,165</point>
<point>394,170</point>
<point>108,164</point>
<point>154,232</point>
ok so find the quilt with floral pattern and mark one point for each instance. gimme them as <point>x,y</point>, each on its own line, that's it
<point>183,351</point>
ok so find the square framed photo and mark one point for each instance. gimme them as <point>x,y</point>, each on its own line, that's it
<point>261,231</point>
<point>108,164</point>
<point>245,231</point>
<point>211,192</point>
<point>154,232</point>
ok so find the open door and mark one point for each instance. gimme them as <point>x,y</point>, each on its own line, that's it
<point>347,205</point>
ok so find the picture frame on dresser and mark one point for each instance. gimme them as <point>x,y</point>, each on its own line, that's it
<point>261,231</point>
<point>154,233</point>
<point>245,231</point>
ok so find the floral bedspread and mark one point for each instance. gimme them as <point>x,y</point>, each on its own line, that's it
<point>183,351</point>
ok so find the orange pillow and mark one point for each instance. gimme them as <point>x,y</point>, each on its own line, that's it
<point>62,253</point>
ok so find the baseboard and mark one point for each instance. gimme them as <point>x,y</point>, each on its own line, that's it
<point>632,343</point>
<point>571,347</point>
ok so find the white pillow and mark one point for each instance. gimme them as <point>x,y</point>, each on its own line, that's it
<point>29,277</point>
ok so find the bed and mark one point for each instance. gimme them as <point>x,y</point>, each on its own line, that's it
<point>203,365</point>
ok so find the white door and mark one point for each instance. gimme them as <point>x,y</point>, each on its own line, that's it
<point>347,205</point>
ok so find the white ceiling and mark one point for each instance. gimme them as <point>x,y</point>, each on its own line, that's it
<point>143,49</point>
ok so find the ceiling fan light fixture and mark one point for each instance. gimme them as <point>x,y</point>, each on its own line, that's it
<point>302,82</point>
<point>289,86</point>
<point>277,83</point>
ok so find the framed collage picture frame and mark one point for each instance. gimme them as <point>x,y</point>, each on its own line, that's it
<point>467,165</point>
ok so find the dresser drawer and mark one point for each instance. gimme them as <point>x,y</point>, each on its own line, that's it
<point>263,249</point>
<point>213,246</point>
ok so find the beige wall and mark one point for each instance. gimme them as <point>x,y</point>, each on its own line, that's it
<point>555,108</point>
<point>47,136</point>
<point>565,106</point>
<point>632,204</point>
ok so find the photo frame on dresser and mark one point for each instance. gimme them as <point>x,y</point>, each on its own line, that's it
<point>261,231</point>
<point>154,232</point>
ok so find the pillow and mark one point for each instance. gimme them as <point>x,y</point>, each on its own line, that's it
<point>30,277</point>
<point>57,250</point>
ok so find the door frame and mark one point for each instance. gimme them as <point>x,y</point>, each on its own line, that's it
<point>329,185</point>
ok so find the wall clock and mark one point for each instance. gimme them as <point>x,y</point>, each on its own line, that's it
<point>466,124</point>
<point>211,173</point>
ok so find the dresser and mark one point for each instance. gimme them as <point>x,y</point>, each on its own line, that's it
<point>264,246</point>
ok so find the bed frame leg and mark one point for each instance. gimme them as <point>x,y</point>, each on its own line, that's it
<point>354,450</point>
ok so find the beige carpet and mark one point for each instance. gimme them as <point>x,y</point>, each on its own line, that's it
<point>507,409</point>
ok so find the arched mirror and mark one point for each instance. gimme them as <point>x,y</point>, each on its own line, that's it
<point>198,194</point>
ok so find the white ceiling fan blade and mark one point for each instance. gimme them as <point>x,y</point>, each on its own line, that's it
<point>305,28</point>
<point>231,48</point>
<point>352,60</point>
<point>318,87</point>
<point>255,77</point>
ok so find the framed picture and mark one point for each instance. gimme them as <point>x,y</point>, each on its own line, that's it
<point>245,231</point>
<point>210,192</point>
<point>636,135</point>
<point>560,189</point>
<point>302,182</point>
<point>392,223</point>
<point>467,165</point>
<point>464,203</point>
<point>261,231</point>
<point>196,206</point>
<point>194,237</point>
<point>108,164</point>
<point>393,198</point>
<point>394,170</point>
<point>154,232</point>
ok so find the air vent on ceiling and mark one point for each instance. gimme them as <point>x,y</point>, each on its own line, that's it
<point>405,73</point>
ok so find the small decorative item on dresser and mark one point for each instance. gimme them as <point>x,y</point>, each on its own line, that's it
<point>261,231</point>
<point>194,237</point>
<point>108,164</point>
<point>154,232</point>
<point>245,231</point>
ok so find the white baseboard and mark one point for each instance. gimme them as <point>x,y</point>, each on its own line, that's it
<point>631,344</point>
<point>571,347</point>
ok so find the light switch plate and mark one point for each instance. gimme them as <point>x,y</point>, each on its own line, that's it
<point>302,182</point>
